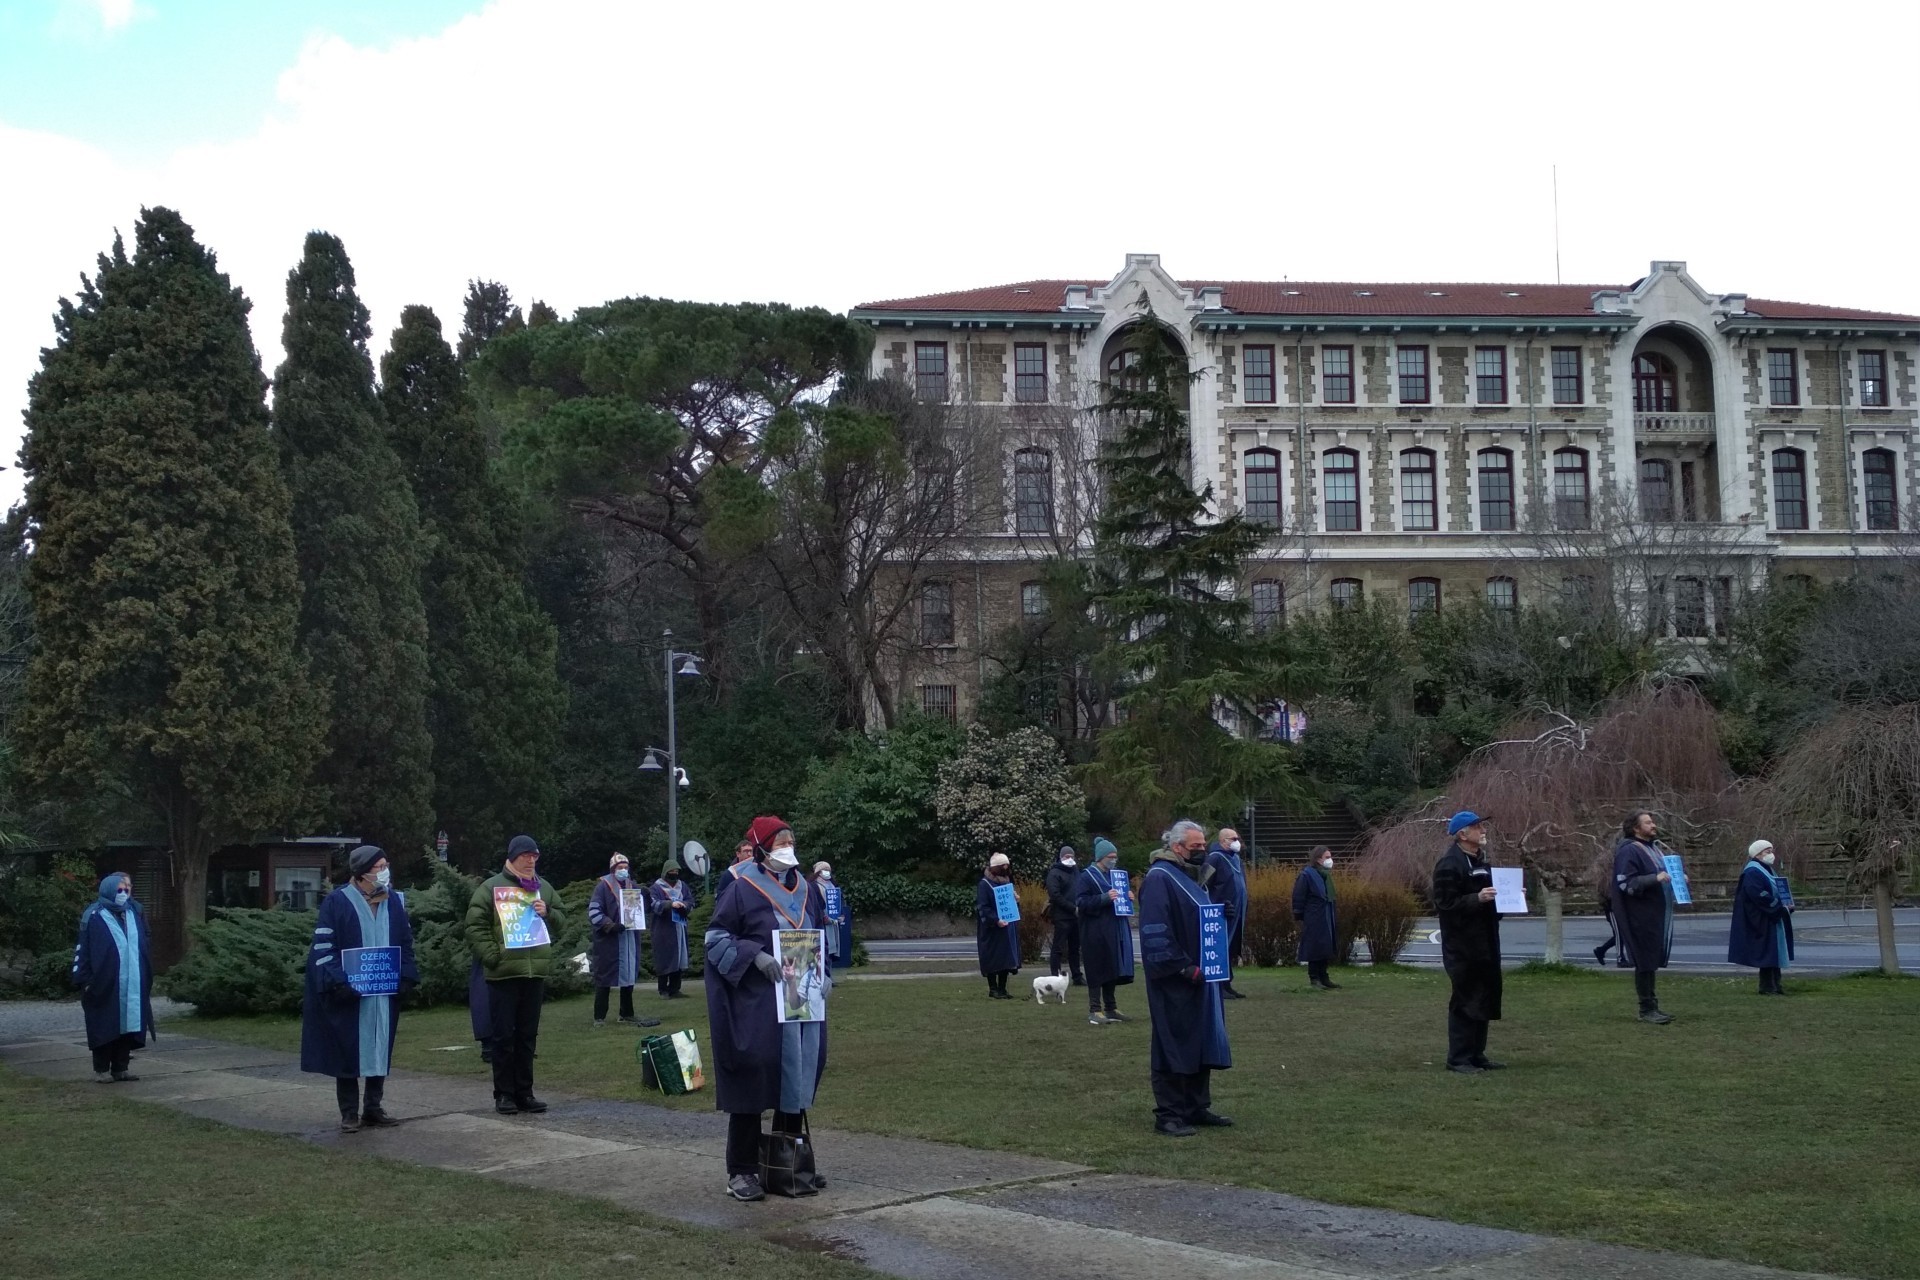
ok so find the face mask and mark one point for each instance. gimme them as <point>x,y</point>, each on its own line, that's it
<point>383,877</point>
<point>620,874</point>
<point>1196,856</point>
<point>1067,862</point>
<point>1767,858</point>
<point>1233,847</point>
<point>673,877</point>
<point>121,898</point>
<point>1326,864</point>
<point>826,874</point>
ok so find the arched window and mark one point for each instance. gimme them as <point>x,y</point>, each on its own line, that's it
<point>1503,596</point>
<point>1340,490</point>
<point>1883,489</point>
<point>1423,598</point>
<point>1033,491</point>
<point>1656,387</point>
<point>1496,490</point>
<point>936,613</point>
<point>1261,467</point>
<point>1269,603</point>
<point>1419,500</point>
<point>1344,593</point>
<point>1656,490</point>
<point>1572,507</point>
<point>1789,489</point>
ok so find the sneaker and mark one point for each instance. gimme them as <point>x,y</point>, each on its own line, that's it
<point>124,1077</point>
<point>1208,1120</point>
<point>819,1183</point>
<point>1329,985</point>
<point>349,1123</point>
<point>1230,994</point>
<point>377,1118</point>
<point>530,1104</point>
<point>103,1077</point>
<point>1174,1129</point>
<point>1096,1020</point>
<point>1488,1064</point>
<point>627,1021</point>
<point>1466,1069</point>
<point>745,1186</point>
<point>1656,1017</point>
<point>599,1024</point>
<point>1114,1015</point>
<point>505,1106</point>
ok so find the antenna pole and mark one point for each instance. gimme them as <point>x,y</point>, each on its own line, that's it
<point>1556,224</point>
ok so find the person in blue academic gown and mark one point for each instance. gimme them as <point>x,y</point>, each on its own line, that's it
<point>670,902</point>
<point>839,927</point>
<point>760,1064</point>
<point>1643,908</point>
<point>1313,909</point>
<point>998,944</point>
<point>343,1033</point>
<point>1762,930</point>
<point>615,949</point>
<point>1106,939</point>
<point>1189,1019</point>
<point>114,972</point>
<point>1227,885</point>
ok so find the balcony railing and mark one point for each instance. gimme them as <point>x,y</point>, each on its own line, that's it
<point>1674,424</point>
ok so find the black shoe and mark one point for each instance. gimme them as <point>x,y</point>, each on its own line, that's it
<point>1488,1064</point>
<point>1208,1120</point>
<point>1231,994</point>
<point>1656,1017</point>
<point>124,1076</point>
<point>1078,981</point>
<point>745,1186</point>
<point>1174,1128</point>
<point>1466,1069</point>
<point>1600,955</point>
<point>505,1106</point>
<point>486,1057</point>
<point>530,1104</point>
<point>1329,985</point>
<point>349,1123</point>
<point>377,1118</point>
<point>819,1183</point>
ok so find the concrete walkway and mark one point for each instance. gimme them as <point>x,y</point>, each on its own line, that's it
<point>920,1210</point>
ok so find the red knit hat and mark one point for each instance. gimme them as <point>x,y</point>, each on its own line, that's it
<point>762,830</point>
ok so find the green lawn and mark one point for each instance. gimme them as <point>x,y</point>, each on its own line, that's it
<point>92,1186</point>
<point>1783,1132</point>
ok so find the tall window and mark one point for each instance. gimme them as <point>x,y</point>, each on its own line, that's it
<point>1490,375</point>
<point>930,371</point>
<point>1656,387</point>
<point>1656,490</point>
<point>1577,592</point>
<point>1033,601</point>
<point>1722,605</point>
<point>1257,364</point>
<point>1030,372</point>
<point>1419,501</point>
<point>1783,376</point>
<point>938,700</point>
<point>1689,608</point>
<point>936,613</point>
<point>1262,471</point>
<point>933,476</point>
<point>1336,375</point>
<point>1503,596</point>
<point>1423,598</point>
<point>1883,492</point>
<point>1789,489</point>
<point>1566,375</point>
<point>1120,369</point>
<point>1269,604</point>
<point>1496,490</point>
<point>1873,379</point>
<point>1344,593</point>
<point>1689,493</point>
<point>1032,491</point>
<point>1340,485</point>
<point>1412,363</point>
<point>1571,506</point>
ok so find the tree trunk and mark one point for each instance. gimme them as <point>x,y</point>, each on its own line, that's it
<point>1883,918</point>
<point>1555,900</point>
<point>190,853</point>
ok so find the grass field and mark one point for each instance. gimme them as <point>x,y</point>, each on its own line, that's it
<point>1783,1132</point>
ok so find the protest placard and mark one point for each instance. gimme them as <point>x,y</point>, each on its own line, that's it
<point>372,971</point>
<point>520,927</point>
<point>1213,942</point>
<point>801,955</point>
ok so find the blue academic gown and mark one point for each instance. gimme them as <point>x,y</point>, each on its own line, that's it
<point>1762,931</point>
<point>1313,908</point>
<point>998,945</point>
<point>1228,887</point>
<point>1106,939</point>
<point>344,1034</point>
<point>1642,905</point>
<point>1189,1018</point>
<point>759,1064</point>
<point>616,952</point>
<point>669,926</point>
<point>113,969</point>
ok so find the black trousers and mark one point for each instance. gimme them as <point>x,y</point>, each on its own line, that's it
<point>602,994</point>
<point>998,981</point>
<point>669,983</point>
<point>743,1138</point>
<point>1100,997</point>
<point>1317,971</point>
<point>1643,987</point>
<point>1066,942</point>
<point>1770,979</point>
<point>346,1091</point>
<point>515,1006</point>
<point>1466,1039</point>
<point>114,1055</point>
<point>1179,1097</point>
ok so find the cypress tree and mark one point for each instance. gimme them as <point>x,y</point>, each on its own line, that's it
<point>497,701</point>
<point>489,313</point>
<point>363,629</point>
<point>163,579</point>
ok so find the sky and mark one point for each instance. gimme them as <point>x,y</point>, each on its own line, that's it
<point>833,153</point>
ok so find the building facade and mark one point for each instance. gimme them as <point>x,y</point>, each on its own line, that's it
<point>1424,443</point>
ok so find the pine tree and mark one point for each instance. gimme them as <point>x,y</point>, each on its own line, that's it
<point>497,702</point>
<point>1165,588</point>
<point>489,313</point>
<point>163,579</point>
<point>363,629</point>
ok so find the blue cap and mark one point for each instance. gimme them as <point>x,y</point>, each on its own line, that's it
<point>1462,820</point>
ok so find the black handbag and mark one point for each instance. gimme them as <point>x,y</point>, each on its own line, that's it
<point>786,1162</point>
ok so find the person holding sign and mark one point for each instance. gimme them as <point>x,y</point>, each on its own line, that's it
<point>114,972</point>
<point>996,930</point>
<point>1228,887</point>
<point>616,913</point>
<point>511,923</point>
<point>1762,930</point>
<point>761,1062</point>
<point>1643,908</point>
<point>1189,1020</point>
<point>670,902</point>
<point>1105,910</point>
<point>1466,902</point>
<point>1313,909</point>
<point>360,961</point>
<point>839,918</point>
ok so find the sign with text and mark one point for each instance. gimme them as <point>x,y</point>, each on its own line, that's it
<point>1681,893</point>
<point>372,971</point>
<point>802,957</point>
<point>1122,905</point>
<point>520,927</point>
<point>1783,891</point>
<point>1510,891</point>
<point>1006,903</point>
<point>633,907</point>
<point>836,905</point>
<point>1213,942</point>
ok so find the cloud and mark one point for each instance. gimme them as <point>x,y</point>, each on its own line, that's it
<point>115,14</point>
<point>85,19</point>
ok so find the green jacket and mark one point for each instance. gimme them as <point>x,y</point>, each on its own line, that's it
<point>483,933</point>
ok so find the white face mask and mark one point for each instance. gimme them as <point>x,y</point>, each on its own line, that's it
<point>1326,864</point>
<point>121,898</point>
<point>1067,862</point>
<point>785,856</point>
<point>1233,846</point>
<point>1767,858</point>
<point>826,873</point>
<point>383,877</point>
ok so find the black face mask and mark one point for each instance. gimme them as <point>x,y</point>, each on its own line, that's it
<point>673,877</point>
<point>1196,857</point>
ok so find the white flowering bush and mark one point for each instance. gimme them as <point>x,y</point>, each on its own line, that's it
<point>1010,794</point>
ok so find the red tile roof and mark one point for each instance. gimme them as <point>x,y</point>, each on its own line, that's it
<point>1285,297</point>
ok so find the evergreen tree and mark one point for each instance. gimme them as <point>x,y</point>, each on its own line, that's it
<point>489,313</point>
<point>163,579</point>
<point>497,701</point>
<point>363,629</point>
<point>1165,588</point>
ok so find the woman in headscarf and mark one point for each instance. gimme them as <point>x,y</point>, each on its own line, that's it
<point>360,962</point>
<point>760,1064</point>
<point>1106,937</point>
<point>670,903</point>
<point>1762,930</point>
<point>997,943</point>
<point>616,913</point>
<point>115,976</point>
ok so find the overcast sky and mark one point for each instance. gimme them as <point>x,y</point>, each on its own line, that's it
<point>834,153</point>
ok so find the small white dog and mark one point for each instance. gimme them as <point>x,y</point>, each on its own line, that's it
<point>1044,986</point>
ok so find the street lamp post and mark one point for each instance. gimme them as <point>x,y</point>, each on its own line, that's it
<point>676,777</point>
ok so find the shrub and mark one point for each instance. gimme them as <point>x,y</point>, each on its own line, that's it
<point>1034,928</point>
<point>1384,914</point>
<point>871,809</point>
<point>1011,795</point>
<point>47,976</point>
<point>243,961</point>
<point>41,913</point>
<point>905,895</point>
<point>1270,935</point>
<point>439,915</point>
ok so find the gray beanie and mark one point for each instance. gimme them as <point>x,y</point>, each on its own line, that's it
<point>361,860</point>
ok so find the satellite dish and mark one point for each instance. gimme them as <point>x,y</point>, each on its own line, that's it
<point>694,856</point>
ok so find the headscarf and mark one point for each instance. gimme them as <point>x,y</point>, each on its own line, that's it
<point>110,886</point>
<point>361,860</point>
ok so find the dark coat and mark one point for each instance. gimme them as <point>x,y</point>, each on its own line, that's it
<point>998,944</point>
<point>1313,908</point>
<point>669,936</point>
<point>1106,939</point>
<point>479,1006</point>
<point>1469,933</point>
<point>330,1026</point>
<point>747,1037</point>
<point>1060,881</point>
<point>1189,1018</point>
<point>1762,933</point>
<point>1642,905</point>
<point>96,971</point>
<point>609,938</point>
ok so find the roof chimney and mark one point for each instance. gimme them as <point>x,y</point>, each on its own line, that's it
<point>1076,298</point>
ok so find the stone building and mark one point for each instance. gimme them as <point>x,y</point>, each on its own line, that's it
<point>1429,443</point>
